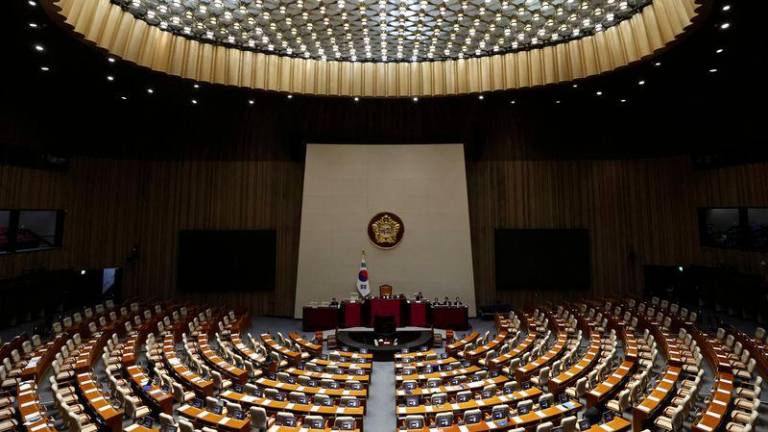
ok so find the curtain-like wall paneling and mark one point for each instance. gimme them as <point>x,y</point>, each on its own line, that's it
<point>117,31</point>
<point>113,205</point>
<point>640,212</point>
<point>644,209</point>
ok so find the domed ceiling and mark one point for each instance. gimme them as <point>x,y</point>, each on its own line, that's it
<point>380,48</point>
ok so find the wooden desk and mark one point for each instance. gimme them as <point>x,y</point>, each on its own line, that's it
<point>420,364</point>
<point>343,365</point>
<point>581,368</point>
<point>618,424</point>
<point>312,348</point>
<point>364,379</point>
<point>611,384</point>
<point>482,349</point>
<point>91,392</point>
<point>190,379</point>
<point>716,414</point>
<point>244,350</point>
<point>31,411</point>
<point>757,348</point>
<point>302,428</point>
<point>130,348</point>
<point>287,387</point>
<point>458,408</point>
<point>42,358</point>
<point>159,398</point>
<point>352,355</point>
<point>459,344</point>
<point>413,355</point>
<point>298,409</point>
<point>293,356</point>
<point>648,406</point>
<point>140,428</point>
<point>549,357</point>
<point>90,351</point>
<point>553,414</point>
<point>204,418</point>
<point>442,375</point>
<point>472,386</point>
<point>519,350</point>
<point>237,375</point>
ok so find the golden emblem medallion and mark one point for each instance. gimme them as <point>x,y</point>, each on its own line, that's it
<point>386,230</point>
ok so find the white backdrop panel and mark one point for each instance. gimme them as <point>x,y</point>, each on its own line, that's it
<point>345,185</point>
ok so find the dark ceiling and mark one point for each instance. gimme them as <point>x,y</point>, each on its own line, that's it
<point>693,101</point>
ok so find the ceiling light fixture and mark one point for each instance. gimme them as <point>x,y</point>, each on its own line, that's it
<point>383,30</point>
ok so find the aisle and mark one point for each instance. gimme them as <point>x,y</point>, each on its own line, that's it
<point>380,412</point>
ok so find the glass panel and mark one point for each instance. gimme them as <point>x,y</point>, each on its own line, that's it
<point>37,230</point>
<point>758,227</point>
<point>5,217</point>
<point>722,227</point>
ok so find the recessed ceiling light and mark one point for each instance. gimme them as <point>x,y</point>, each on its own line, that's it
<point>151,91</point>
<point>367,25</point>
<point>725,26</point>
<point>45,68</point>
<point>726,8</point>
<point>111,59</point>
<point>415,99</point>
<point>641,82</point>
<point>32,25</point>
<point>110,78</point>
<point>194,101</point>
<point>39,48</point>
<point>251,101</point>
<point>719,50</point>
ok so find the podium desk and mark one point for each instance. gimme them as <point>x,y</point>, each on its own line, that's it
<point>417,314</point>
<point>450,317</point>
<point>381,307</point>
<point>320,318</point>
<point>352,314</point>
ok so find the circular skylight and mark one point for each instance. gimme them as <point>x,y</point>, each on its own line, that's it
<point>383,30</point>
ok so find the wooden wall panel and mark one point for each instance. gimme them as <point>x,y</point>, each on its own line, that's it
<point>638,212</point>
<point>112,205</point>
<point>644,209</point>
